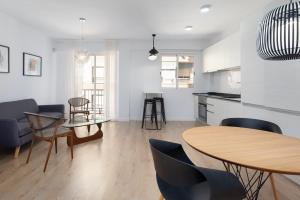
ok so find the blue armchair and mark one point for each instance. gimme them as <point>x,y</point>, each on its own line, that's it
<point>14,127</point>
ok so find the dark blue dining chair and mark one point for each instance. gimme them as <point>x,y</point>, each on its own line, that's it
<point>255,124</point>
<point>179,179</point>
<point>252,123</point>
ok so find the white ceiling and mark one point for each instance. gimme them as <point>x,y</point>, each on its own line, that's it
<point>131,19</point>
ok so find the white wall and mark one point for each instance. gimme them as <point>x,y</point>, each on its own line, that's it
<point>137,74</point>
<point>267,83</point>
<point>124,80</point>
<point>270,89</point>
<point>23,38</point>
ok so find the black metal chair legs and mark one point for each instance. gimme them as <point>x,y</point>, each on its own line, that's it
<point>160,100</point>
<point>152,116</point>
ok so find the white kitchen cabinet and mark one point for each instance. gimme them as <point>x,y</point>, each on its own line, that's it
<point>223,55</point>
<point>209,59</point>
<point>219,109</point>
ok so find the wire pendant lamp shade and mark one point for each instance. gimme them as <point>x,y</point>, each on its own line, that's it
<point>279,33</point>
<point>82,55</point>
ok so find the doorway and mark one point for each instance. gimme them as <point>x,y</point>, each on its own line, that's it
<point>93,87</point>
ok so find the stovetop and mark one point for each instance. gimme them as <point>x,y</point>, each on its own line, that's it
<point>235,97</point>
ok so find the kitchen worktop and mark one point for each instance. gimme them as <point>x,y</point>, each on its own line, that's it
<point>223,96</point>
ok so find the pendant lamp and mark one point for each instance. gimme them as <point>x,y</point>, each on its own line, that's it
<point>82,55</point>
<point>153,53</point>
<point>279,33</point>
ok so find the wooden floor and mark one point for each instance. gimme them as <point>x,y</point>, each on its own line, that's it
<point>117,167</point>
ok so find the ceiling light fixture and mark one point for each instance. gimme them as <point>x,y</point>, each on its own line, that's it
<point>188,28</point>
<point>205,8</point>
<point>279,33</point>
<point>82,55</point>
<point>153,53</point>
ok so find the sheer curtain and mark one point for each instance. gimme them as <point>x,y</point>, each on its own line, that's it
<point>111,66</point>
<point>69,78</point>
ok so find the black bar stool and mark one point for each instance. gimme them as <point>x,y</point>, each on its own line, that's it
<point>160,100</point>
<point>153,114</point>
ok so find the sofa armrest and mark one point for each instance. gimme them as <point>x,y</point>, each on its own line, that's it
<point>9,136</point>
<point>52,108</point>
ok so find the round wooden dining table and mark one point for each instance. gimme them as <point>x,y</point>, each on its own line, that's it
<point>242,149</point>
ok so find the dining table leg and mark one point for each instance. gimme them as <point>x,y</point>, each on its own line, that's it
<point>273,187</point>
<point>252,180</point>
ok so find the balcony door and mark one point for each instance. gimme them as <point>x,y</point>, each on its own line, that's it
<point>93,87</point>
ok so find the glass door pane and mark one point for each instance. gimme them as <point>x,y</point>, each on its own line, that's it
<point>94,85</point>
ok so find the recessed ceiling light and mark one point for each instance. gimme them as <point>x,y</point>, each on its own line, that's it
<point>205,8</point>
<point>82,19</point>
<point>188,28</point>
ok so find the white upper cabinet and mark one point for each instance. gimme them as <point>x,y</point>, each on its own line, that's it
<point>223,55</point>
<point>210,64</point>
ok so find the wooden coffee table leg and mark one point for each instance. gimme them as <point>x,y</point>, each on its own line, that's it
<point>99,129</point>
<point>80,140</point>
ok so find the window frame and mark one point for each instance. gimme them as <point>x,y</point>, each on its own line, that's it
<point>177,55</point>
<point>95,67</point>
<point>169,55</point>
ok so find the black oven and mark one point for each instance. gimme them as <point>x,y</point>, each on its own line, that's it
<point>202,109</point>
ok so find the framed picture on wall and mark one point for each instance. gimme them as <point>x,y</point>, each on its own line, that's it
<point>32,65</point>
<point>4,59</point>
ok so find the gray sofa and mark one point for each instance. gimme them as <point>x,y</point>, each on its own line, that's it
<point>14,127</point>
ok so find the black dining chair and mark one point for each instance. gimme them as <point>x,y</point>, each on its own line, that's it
<point>255,124</point>
<point>179,179</point>
<point>252,123</point>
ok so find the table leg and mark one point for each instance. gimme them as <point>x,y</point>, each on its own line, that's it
<point>252,183</point>
<point>273,187</point>
<point>80,140</point>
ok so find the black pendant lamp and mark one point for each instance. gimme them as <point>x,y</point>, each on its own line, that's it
<point>279,33</point>
<point>153,53</point>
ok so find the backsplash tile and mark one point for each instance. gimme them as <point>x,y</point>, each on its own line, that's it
<point>226,81</point>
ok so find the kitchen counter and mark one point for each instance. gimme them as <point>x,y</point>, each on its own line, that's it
<point>222,96</point>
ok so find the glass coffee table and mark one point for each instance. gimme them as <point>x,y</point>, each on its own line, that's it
<point>83,136</point>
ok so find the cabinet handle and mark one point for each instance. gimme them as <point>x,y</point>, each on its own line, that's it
<point>210,112</point>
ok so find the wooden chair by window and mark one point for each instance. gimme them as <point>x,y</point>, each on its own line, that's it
<point>47,128</point>
<point>79,105</point>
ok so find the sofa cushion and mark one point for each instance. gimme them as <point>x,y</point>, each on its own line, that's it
<point>24,128</point>
<point>16,109</point>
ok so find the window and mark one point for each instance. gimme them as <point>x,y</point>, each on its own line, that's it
<point>177,71</point>
<point>168,71</point>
